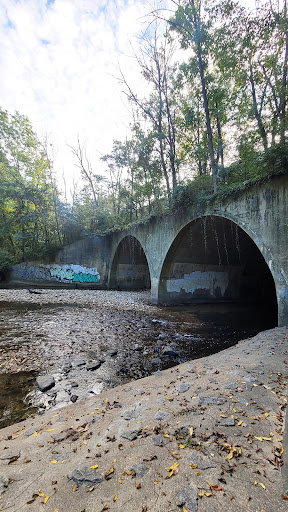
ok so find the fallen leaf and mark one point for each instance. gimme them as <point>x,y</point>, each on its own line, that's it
<point>108,473</point>
<point>27,460</point>
<point>263,438</point>
<point>54,461</point>
<point>115,497</point>
<point>94,467</point>
<point>172,469</point>
<point>75,488</point>
<point>138,485</point>
<point>284,496</point>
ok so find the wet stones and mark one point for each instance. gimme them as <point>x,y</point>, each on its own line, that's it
<point>45,382</point>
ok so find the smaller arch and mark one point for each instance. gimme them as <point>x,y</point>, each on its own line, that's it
<point>130,269</point>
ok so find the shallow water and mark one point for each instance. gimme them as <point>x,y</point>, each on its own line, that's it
<point>41,338</point>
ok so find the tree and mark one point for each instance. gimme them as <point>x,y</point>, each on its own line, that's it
<point>158,108</point>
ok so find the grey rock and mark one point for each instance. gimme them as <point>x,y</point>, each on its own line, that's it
<point>45,382</point>
<point>156,361</point>
<point>112,352</point>
<point>227,422</point>
<point>4,482</point>
<point>250,378</point>
<point>74,385</point>
<point>11,456</point>
<point>161,415</point>
<point>232,386</point>
<point>202,461</point>
<point>188,497</point>
<point>129,388</point>
<point>83,475</point>
<point>168,351</point>
<point>78,362</point>
<point>159,440</point>
<point>211,400</point>
<point>130,435</point>
<point>93,365</point>
<point>183,387</point>
<point>139,469</point>
<point>140,391</point>
<point>30,432</point>
<point>60,456</point>
<point>235,372</point>
<point>74,398</point>
<point>138,348</point>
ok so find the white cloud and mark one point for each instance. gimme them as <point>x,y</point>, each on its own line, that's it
<point>57,59</point>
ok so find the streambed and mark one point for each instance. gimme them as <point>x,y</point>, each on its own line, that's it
<point>118,335</point>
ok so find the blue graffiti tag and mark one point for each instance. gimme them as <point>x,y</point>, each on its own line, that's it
<point>86,278</point>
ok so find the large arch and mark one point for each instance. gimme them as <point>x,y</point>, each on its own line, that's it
<point>213,259</point>
<point>129,269</point>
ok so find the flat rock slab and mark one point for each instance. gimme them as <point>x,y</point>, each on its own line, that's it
<point>93,365</point>
<point>201,461</point>
<point>45,382</point>
<point>211,400</point>
<point>84,475</point>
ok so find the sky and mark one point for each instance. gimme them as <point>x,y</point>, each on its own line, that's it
<point>58,62</point>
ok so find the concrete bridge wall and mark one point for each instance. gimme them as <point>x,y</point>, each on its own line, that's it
<point>227,250</point>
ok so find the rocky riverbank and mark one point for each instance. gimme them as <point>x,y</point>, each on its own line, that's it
<point>82,342</point>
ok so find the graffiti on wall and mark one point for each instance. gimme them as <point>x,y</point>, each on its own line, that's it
<point>74,274</point>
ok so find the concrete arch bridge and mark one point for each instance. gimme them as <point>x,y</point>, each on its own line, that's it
<point>228,250</point>
<point>234,249</point>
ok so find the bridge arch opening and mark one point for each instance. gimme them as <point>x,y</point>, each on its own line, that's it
<point>130,270</point>
<point>212,259</point>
